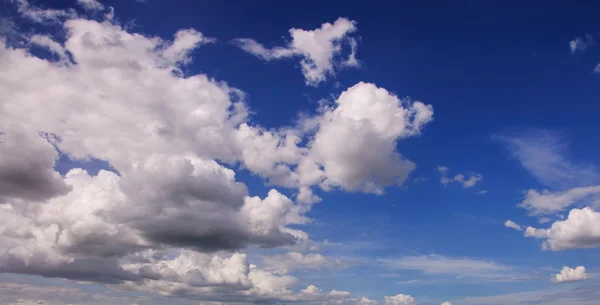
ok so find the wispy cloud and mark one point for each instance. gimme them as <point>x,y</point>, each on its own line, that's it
<point>559,296</point>
<point>457,267</point>
<point>544,154</point>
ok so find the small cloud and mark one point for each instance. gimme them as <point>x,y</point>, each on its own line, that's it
<point>318,49</point>
<point>482,192</point>
<point>581,44</point>
<point>544,220</point>
<point>473,178</point>
<point>569,274</point>
<point>597,69</point>
<point>420,179</point>
<point>408,282</point>
<point>513,225</point>
<point>91,5</point>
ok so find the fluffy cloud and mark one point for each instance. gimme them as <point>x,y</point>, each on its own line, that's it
<point>548,202</point>
<point>513,225</point>
<point>399,299</point>
<point>356,141</point>
<point>568,274</point>
<point>373,118</point>
<point>123,100</point>
<point>446,303</point>
<point>581,44</point>
<point>170,215</point>
<point>319,49</point>
<point>26,166</point>
<point>473,179</point>
<point>581,229</point>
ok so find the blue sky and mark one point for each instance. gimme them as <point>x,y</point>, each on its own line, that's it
<point>421,153</point>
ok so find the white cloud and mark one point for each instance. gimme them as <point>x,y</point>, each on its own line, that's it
<point>548,202</point>
<point>545,155</point>
<point>446,303</point>
<point>455,267</point>
<point>51,45</point>
<point>372,117</point>
<point>91,5</point>
<point>399,299</point>
<point>482,192</point>
<point>473,179</point>
<point>185,40</point>
<point>41,15</point>
<point>581,44</point>
<point>284,263</point>
<point>513,225</point>
<point>581,229</point>
<point>597,69</point>
<point>568,274</point>
<point>366,301</point>
<point>319,49</point>
<point>120,101</point>
<point>374,120</point>
<point>470,182</point>
<point>172,216</point>
<point>338,294</point>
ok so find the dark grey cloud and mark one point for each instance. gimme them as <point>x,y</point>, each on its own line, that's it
<point>26,167</point>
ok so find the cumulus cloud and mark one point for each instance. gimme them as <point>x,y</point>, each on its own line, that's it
<point>473,179</point>
<point>319,49</point>
<point>170,216</point>
<point>568,274</point>
<point>581,229</point>
<point>26,166</point>
<point>446,303</point>
<point>374,120</point>
<point>513,225</point>
<point>399,299</point>
<point>581,43</point>
<point>372,117</point>
<point>120,101</point>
